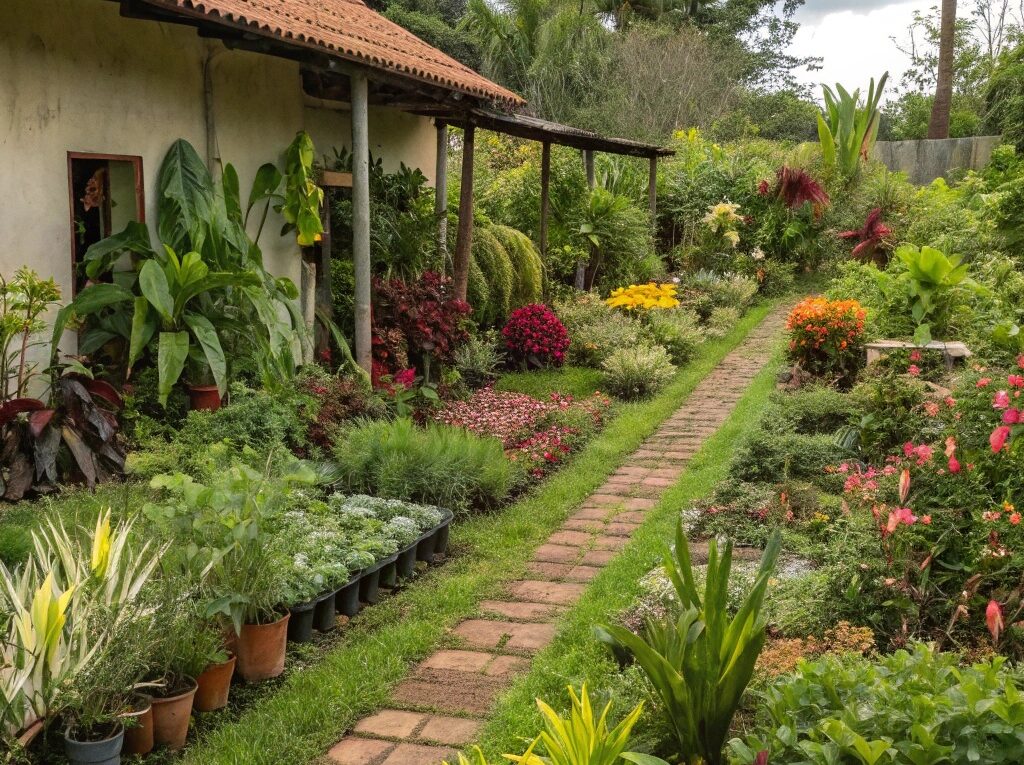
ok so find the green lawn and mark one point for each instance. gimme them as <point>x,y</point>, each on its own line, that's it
<point>579,382</point>
<point>313,707</point>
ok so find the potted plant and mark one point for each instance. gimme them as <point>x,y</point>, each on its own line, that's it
<point>138,725</point>
<point>203,392</point>
<point>214,681</point>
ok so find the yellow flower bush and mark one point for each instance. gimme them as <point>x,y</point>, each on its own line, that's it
<point>644,297</point>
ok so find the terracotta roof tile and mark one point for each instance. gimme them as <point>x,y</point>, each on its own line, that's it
<point>350,30</point>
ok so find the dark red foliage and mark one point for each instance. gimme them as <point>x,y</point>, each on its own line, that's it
<point>869,237</point>
<point>338,399</point>
<point>430,320</point>
<point>794,187</point>
<point>536,335</point>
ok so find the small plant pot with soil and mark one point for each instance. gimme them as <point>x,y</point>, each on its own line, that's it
<point>369,585</point>
<point>138,726</point>
<point>261,650</point>
<point>407,561</point>
<point>172,712</point>
<point>104,748</point>
<point>346,599</point>
<point>300,625</point>
<point>214,686</point>
<point>324,618</point>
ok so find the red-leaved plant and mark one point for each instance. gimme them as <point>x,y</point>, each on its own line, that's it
<point>794,187</point>
<point>869,237</point>
<point>535,336</point>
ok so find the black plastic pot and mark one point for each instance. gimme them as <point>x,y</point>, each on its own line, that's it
<point>323,613</point>
<point>105,752</point>
<point>407,561</point>
<point>346,600</point>
<point>369,585</point>
<point>443,534</point>
<point>300,626</point>
<point>435,541</point>
<point>425,547</point>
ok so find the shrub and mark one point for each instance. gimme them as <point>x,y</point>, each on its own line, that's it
<point>496,269</point>
<point>812,409</point>
<point>678,331</point>
<point>770,456</point>
<point>826,336</point>
<point>436,465</point>
<point>734,290</point>
<point>912,707</point>
<point>527,268</point>
<point>596,330</point>
<point>478,358</point>
<point>536,336</point>
<point>637,372</point>
<point>722,321</point>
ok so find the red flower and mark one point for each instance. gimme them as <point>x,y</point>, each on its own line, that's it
<point>994,619</point>
<point>998,438</point>
<point>534,331</point>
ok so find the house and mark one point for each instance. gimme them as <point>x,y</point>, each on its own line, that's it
<point>94,92</point>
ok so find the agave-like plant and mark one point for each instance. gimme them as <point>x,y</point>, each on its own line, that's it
<point>850,130</point>
<point>701,662</point>
<point>584,738</point>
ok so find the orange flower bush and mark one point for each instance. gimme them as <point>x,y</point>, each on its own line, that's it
<point>826,336</point>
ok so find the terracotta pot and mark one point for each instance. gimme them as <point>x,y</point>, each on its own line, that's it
<point>261,649</point>
<point>214,686</point>
<point>204,397</point>
<point>26,737</point>
<point>138,738</point>
<point>171,717</point>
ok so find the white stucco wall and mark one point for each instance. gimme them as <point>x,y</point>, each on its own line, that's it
<point>76,76</point>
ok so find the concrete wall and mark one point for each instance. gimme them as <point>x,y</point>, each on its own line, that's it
<point>76,76</point>
<point>924,161</point>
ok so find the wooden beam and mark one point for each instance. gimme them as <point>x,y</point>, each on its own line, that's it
<point>441,190</point>
<point>545,198</point>
<point>361,218</point>
<point>581,265</point>
<point>330,179</point>
<point>652,189</point>
<point>464,241</point>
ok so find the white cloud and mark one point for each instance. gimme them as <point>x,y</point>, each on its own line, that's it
<point>854,39</point>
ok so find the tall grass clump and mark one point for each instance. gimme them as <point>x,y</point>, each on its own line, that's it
<point>436,465</point>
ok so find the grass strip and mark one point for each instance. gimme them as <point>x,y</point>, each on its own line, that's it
<point>575,656</point>
<point>315,706</point>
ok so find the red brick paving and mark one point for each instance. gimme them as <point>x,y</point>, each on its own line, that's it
<point>444,701</point>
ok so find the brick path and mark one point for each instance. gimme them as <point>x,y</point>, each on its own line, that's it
<point>442,705</point>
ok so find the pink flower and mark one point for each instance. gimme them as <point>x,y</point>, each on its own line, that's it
<point>914,370</point>
<point>1011,416</point>
<point>1001,400</point>
<point>983,382</point>
<point>1020,361</point>
<point>950,446</point>
<point>1014,519</point>
<point>931,408</point>
<point>954,465</point>
<point>998,438</point>
<point>1015,381</point>
<point>994,619</point>
<point>950,402</point>
<point>926,520</point>
<point>915,355</point>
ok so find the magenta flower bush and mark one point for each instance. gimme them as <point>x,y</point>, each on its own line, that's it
<point>535,336</point>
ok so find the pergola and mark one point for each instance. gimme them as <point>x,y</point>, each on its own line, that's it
<point>351,54</point>
<point>534,129</point>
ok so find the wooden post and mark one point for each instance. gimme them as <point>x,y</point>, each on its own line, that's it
<point>581,265</point>
<point>441,191</point>
<point>361,217</point>
<point>464,240</point>
<point>545,198</point>
<point>652,189</point>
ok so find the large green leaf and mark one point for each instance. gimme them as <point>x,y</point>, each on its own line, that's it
<point>154,286</point>
<point>143,329</point>
<point>102,256</point>
<point>171,356</point>
<point>209,341</point>
<point>185,198</point>
<point>232,193</point>
<point>90,300</point>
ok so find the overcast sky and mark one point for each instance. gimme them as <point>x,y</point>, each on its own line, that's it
<point>853,37</point>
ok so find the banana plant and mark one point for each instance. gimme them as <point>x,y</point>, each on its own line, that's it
<point>850,130</point>
<point>928,280</point>
<point>701,662</point>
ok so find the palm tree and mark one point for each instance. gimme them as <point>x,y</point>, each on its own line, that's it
<point>938,127</point>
